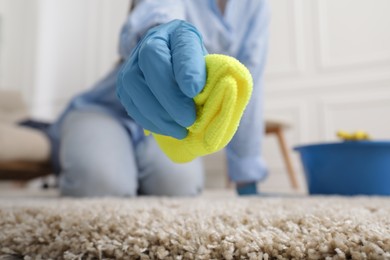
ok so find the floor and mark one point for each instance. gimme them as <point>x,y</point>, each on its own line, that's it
<point>222,227</point>
<point>216,185</point>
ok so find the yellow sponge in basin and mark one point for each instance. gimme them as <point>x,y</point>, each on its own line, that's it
<point>219,108</point>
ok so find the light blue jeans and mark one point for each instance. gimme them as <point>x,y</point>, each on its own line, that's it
<point>98,158</point>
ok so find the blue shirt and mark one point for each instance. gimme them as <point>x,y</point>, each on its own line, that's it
<point>241,31</point>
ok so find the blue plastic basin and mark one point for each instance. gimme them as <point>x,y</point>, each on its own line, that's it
<point>347,168</point>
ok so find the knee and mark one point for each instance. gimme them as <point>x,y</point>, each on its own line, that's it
<point>96,157</point>
<point>182,185</point>
<point>183,180</point>
<point>83,179</point>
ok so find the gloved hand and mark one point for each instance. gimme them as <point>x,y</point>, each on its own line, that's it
<point>164,72</point>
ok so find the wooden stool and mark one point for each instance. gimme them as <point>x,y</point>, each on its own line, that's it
<point>277,128</point>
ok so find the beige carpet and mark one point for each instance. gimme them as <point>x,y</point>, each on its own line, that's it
<point>218,228</point>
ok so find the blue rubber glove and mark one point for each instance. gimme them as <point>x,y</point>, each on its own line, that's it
<point>164,72</point>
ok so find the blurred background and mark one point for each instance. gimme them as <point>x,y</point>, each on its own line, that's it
<point>328,67</point>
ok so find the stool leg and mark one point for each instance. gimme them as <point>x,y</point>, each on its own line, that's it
<point>286,157</point>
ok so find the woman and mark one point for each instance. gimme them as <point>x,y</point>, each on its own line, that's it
<point>98,143</point>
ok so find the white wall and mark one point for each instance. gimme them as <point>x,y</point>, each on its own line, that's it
<point>328,68</point>
<point>17,45</point>
<point>53,49</point>
<point>76,47</point>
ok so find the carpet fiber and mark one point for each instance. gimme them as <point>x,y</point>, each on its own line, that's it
<point>200,228</point>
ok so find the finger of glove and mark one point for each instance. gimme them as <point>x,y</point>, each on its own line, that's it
<point>145,109</point>
<point>155,63</point>
<point>188,60</point>
<point>130,107</point>
<point>134,113</point>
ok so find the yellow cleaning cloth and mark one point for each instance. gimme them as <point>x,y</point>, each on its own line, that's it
<point>219,109</point>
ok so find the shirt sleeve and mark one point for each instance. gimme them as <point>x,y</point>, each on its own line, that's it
<point>245,162</point>
<point>146,14</point>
